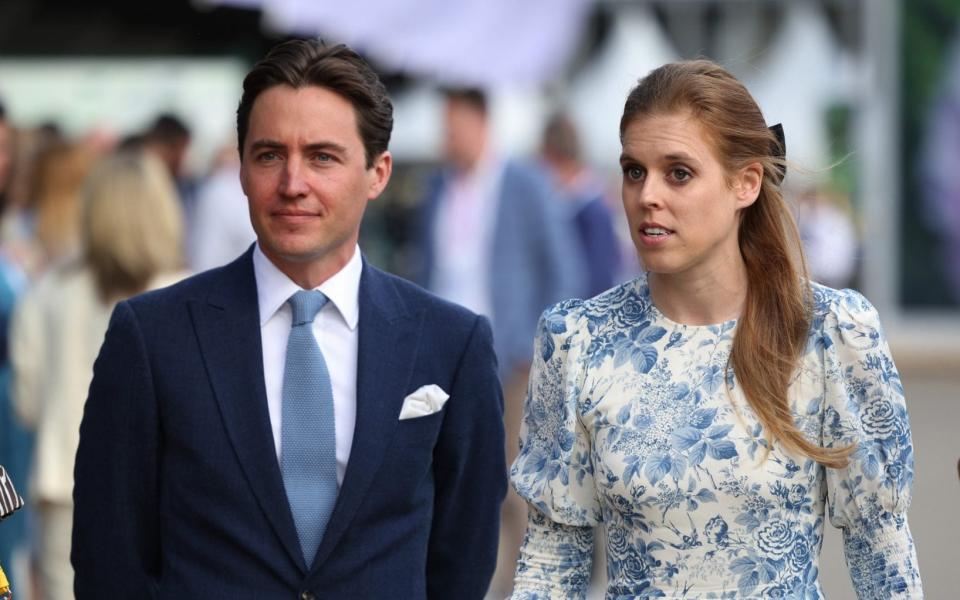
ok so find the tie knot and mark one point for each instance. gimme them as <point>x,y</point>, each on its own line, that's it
<point>306,304</point>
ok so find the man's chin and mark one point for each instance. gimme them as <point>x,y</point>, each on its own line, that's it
<point>295,253</point>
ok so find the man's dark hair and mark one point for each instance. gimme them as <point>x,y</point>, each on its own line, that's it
<point>301,63</point>
<point>473,97</point>
<point>168,128</point>
<point>560,138</point>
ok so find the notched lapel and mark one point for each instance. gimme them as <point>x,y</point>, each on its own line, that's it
<point>389,335</point>
<point>228,331</point>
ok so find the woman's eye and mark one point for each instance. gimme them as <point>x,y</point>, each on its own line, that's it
<point>680,174</point>
<point>633,173</point>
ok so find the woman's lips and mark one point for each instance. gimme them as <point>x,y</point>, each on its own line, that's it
<point>654,234</point>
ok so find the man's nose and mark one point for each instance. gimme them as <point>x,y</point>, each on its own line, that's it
<point>292,182</point>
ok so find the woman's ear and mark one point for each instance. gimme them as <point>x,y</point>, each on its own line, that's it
<point>747,184</point>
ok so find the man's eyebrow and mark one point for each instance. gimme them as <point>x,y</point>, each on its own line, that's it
<point>265,144</point>
<point>269,144</point>
<point>315,146</point>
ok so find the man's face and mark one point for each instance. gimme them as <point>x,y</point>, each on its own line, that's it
<point>465,133</point>
<point>6,154</point>
<point>305,176</point>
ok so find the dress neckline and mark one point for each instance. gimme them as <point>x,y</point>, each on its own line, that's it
<point>658,315</point>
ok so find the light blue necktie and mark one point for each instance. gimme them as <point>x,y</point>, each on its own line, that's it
<point>308,444</point>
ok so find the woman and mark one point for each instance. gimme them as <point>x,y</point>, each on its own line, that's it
<point>132,232</point>
<point>60,172</point>
<point>708,413</point>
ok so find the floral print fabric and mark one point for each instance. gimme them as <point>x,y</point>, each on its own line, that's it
<point>634,422</point>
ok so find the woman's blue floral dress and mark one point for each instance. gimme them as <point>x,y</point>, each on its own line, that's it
<point>633,421</point>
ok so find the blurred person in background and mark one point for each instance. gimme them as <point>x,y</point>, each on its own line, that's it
<point>829,237</point>
<point>16,443</point>
<point>168,138</point>
<point>131,231</point>
<point>6,153</point>
<point>10,501</point>
<point>19,218</point>
<point>939,177</point>
<point>713,414</point>
<point>58,176</point>
<point>494,239</point>
<point>584,199</point>
<point>221,228</point>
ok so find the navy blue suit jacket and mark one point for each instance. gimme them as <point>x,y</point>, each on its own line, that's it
<point>178,491</point>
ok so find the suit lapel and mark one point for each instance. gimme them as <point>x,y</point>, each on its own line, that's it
<point>388,337</point>
<point>227,324</point>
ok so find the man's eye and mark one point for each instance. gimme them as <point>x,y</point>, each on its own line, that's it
<point>633,173</point>
<point>322,157</point>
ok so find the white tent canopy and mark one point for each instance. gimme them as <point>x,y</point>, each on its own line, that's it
<point>468,42</point>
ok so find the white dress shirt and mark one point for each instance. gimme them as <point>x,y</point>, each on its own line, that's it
<point>335,329</point>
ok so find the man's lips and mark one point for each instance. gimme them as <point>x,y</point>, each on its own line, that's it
<point>295,215</point>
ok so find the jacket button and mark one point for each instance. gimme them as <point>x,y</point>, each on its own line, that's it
<point>307,596</point>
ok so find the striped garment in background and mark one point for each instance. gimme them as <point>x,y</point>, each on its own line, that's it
<point>9,499</point>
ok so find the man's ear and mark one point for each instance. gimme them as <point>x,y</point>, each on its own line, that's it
<point>379,174</point>
<point>747,184</point>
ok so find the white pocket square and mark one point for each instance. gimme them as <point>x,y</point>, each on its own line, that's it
<point>425,401</point>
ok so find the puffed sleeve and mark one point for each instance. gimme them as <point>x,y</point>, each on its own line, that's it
<point>553,471</point>
<point>868,499</point>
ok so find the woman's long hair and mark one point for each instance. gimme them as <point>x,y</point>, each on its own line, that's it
<point>132,224</point>
<point>772,331</point>
<point>58,180</point>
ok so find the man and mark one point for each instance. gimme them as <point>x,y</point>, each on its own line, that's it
<point>493,239</point>
<point>583,195</point>
<point>168,138</point>
<point>236,446</point>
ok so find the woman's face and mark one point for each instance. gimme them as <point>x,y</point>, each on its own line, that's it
<point>682,209</point>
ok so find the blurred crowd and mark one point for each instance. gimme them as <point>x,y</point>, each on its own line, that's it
<point>85,223</point>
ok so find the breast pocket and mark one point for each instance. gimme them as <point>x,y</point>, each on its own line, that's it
<point>419,432</point>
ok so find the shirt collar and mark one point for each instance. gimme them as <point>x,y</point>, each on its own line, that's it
<point>274,288</point>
